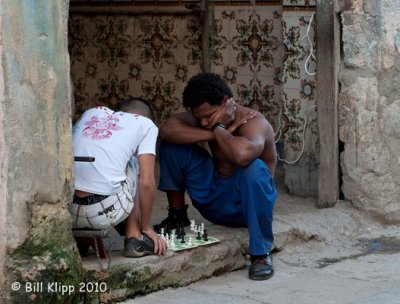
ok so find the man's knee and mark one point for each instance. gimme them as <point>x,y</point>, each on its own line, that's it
<point>255,170</point>
<point>170,148</point>
<point>257,176</point>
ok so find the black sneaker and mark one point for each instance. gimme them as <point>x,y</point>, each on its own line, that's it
<point>135,248</point>
<point>177,217</point>
<point>261,268</point>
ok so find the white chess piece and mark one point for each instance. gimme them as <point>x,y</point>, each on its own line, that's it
<point>190,241</point>
<point>172,241</point>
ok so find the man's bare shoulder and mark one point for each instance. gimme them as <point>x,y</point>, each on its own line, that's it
<point>256,125</point>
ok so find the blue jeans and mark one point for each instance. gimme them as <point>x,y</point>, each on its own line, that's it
<point>244,199</point>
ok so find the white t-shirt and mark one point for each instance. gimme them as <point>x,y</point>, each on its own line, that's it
<point>112,138</point>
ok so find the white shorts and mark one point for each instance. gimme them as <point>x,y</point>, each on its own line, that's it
<point>112,210</point>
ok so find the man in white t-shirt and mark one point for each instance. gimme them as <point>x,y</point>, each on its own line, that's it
<point>110,190</point>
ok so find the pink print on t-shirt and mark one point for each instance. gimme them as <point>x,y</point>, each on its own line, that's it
<point>100,128</point>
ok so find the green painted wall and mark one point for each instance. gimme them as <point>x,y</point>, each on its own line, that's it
<point>37,155</point>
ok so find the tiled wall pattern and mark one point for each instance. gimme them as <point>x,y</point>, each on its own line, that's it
<point>298,85</point>
<point>247,52</point>
<point>260,50</point>
<point>113,57</point>
<point>300,4</point>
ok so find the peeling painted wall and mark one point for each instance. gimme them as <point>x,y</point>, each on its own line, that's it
<point>35,142</point>
<point>3,167</point>
<point>369,105</point>
<point>36,110</point>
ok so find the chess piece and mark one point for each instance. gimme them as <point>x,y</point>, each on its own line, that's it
<point>172,243</point>
<point>181,231</point>
<point>178,233</point>
<point>205,235</point>
<point>198,235</point>
<point>190,241</point>
<point>183,239</point>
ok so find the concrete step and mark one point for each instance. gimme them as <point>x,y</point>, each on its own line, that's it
<point>129,277</point>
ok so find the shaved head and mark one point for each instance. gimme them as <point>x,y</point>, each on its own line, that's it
<point>137,106</point>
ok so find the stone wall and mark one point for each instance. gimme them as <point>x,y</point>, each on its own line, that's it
<point>3,171</point>
<point>35,144</point>
<point>369,105</point>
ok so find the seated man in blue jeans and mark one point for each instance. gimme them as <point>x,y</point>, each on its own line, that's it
<point>233,186</point>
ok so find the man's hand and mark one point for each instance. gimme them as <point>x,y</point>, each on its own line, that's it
<point>233,127</point>
<point>225,115</point>
<point>160,246</point>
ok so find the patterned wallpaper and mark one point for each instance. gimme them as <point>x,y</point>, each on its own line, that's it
<point>247,52</point>
<point>260,50</point>
<point>113,57</point>
<point>298,86</point>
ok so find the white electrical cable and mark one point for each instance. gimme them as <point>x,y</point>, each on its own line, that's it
<point>291,162</point>
<point>311,55</point>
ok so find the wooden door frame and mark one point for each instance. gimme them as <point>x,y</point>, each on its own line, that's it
<point>328,60</point>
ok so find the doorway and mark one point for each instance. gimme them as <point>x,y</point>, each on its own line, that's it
<point>265,51</point>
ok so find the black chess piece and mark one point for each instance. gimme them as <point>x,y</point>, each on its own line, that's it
<point>179,232</point>
<point>168,234</point>
<point>205,235</point>
<point>198,235</point>
<point>183,239</point>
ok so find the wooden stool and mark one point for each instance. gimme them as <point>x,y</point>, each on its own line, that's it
<point>86,238</point>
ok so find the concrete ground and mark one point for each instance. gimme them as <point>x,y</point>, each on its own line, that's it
<point>335,255</point>
<point>372,279</point>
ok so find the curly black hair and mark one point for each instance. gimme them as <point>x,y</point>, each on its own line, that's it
<point>205,87</point>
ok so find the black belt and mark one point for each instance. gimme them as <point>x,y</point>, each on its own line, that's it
<point>89,200</point>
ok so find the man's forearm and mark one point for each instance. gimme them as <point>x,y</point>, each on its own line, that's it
<point>146,198</point>
<point>185,134</point>
<point>238,149</point>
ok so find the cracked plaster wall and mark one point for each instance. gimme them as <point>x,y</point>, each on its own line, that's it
<point>36,107</point>
<point>369,105</point>
<point>35,141</point>
<point>3,168</point>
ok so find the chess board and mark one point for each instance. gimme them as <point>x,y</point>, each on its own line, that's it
<point>195,243</point>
